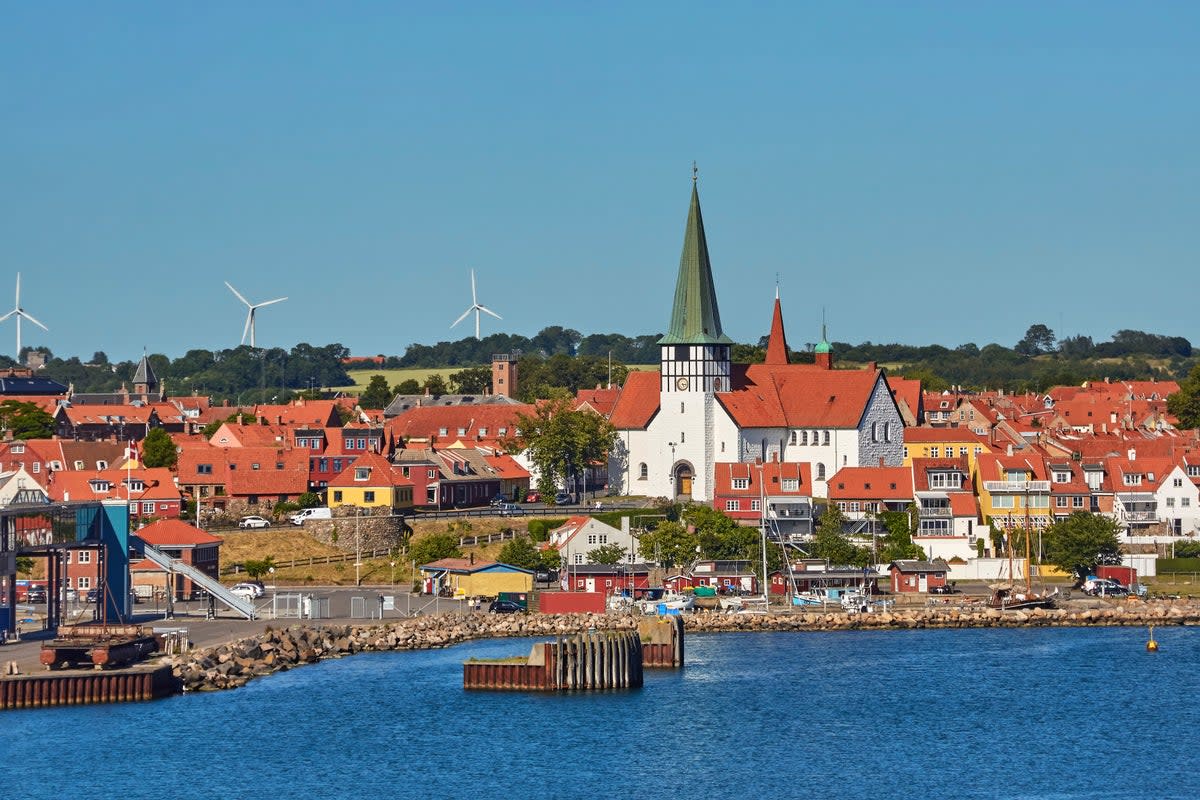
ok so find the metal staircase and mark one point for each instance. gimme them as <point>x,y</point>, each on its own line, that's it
<point>215,588</point>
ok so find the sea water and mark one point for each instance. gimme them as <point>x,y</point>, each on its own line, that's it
<point>990,713</point>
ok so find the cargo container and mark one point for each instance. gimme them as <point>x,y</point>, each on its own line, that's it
<point>1126,576</point>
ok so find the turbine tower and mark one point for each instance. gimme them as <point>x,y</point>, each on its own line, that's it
<point>19,313</point>
<point>249,329</point>
<point>475,306</point>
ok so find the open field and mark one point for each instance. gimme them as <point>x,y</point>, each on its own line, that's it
<point>394,376</point>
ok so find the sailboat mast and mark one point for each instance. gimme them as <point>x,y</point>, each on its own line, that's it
<point>1028,563</point>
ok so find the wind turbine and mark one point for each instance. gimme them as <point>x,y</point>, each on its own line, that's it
<point>475,306</point>
<point>19,313</point>
<point>249,329</point>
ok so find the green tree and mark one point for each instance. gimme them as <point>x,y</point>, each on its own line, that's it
<point>25,565</point>
<point>1081,541</point>
<point>377,393</point>
<point>472,380</point>
<point>437,545</point>
<point>897,543</point>
<point>670,544</point>
<point>562,442</point>
<point>1038,339</point>
<point>436,385</point>
<point>308,500</point>
<point>408,386</point>
<point>25,420</point>
<point>1185,404</point>
<point>832,545</point>
<point>520,552</point>
<point>257,567</point>
<point>607,554</point>
<point>158,450</point>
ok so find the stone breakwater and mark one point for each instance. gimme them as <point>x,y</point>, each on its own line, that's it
<point>233,664</point>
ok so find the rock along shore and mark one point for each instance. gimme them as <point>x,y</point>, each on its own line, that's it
<point>233,664</point>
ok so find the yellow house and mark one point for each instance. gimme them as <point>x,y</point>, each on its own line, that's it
<point>471,578</point>
<point>371,481</point>
<point>1014,491</point>
<point>943,443</point>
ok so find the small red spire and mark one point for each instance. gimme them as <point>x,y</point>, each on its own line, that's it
<point>777,350</point>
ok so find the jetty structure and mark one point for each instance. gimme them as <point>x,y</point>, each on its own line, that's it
<point>592,660</point>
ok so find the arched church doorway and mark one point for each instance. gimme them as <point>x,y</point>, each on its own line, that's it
<point>683,480</point>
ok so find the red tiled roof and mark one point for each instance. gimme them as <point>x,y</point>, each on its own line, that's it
<point>426,422</point>
<point>773,474</point>
<point>381,473</point>
<point>798,396</point>
<point>777,350</point>
<point>507,467</point>
<point>964,504</point>
<point>638,401</point>
<point>908,390</point>
<point>174,532</point>
<point>76,485</point>
<point>105,415</point>
<point>939,435</point>
<point>603,401</point>
<point>871,483</point>
<point>302,412</point>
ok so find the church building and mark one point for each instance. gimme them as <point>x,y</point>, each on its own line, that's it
<point>699,410</point>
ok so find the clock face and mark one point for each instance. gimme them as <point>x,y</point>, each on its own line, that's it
<point>681,384</point>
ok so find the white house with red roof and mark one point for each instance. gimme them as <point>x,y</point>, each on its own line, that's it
<point>781,489</point>
<point>948,523</point>
<point>699,409</point>
<point>578,536</point>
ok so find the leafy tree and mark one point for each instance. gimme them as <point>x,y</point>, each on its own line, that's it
<point>158,450</point>
<point>1038,339</point>
<point>437,545</point>
<point>436,385</point>
<point>607,554</point>
<point>832,545</point>
<point>897,543</point>
<point>561,442</point>
<point>1081,541</point>
<point>472,380</point>
<point>377,393</point>
<point>100,358</point>
<point>25,420</point>
<point>408,386</point>
<point>257,567</point>
<point>309,500</point>
<point>1184,404</point>
<point>1186,549</point>
<point>521,552</point>
<point>25,565</point>
<point>670,544</point>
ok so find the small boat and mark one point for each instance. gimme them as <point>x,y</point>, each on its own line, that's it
<point>1010,598</point>
<point>669,603</point>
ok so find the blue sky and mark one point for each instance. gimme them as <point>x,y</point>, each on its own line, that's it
<point>928,172</point>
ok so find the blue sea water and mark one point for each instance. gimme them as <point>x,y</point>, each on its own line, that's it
<point>1018,713</point>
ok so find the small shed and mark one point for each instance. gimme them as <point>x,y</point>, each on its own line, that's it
<point>913,576</point>
<point>470,578</point>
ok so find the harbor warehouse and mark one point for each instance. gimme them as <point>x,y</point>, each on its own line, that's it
<point>466,576</point>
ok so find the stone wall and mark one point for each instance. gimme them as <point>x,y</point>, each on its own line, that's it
<point>231,665</point>
<point>375,532</point>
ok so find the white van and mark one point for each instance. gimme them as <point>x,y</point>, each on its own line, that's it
<point>310,513</point>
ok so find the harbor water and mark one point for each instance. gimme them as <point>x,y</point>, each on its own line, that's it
<point>983,713</point>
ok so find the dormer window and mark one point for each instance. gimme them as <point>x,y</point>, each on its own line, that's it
<point>1061,476</point>
<point>37,467</point>
<point>362,473</point>
<point>99,485</point>
<point>483,431</point>
<point>442,431</point>
<point>462,431</point>
<point>101,465</point>
<point>137,486</point>
<point>1133,479</point>
<point>503,431</point>
<point>56,465</point>
<point>18,448</point>
<point>255,465</point>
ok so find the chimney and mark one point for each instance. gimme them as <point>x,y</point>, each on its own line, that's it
<point>1133,454</point>
<point>1009,450</point>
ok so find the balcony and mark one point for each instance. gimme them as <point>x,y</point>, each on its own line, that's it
<point>935,511</point>
<point>1033,487</point>
<point>1139,516</point>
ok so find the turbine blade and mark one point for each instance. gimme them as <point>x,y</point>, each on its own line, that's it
<point>269,302</point>
<point>452,324</point>
<point>25,314</point>
<point>9,314</point>
<point>487,310</point>
<point>18,303</point>
<point>249,322</point>
<point>474,300</point>
<point>236,292</point>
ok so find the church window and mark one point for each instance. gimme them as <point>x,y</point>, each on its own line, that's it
<point>682,436</point>
<point>792,438</point>
<point>874,431</point>
<point>887,431</point>
<point>643,472</point>
<point>681,408</point>
<point>682,353</point>
<point>826,442</point>
<point>804,437</point>
<point>722,447</point>
<point>843,461</point>
<point>820,472</point>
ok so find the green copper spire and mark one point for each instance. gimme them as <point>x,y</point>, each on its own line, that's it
<point>695,318</point>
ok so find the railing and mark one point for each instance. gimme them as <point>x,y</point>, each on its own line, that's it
<point>935,511</point>
<point>1139,516</point>
<point>1033,487</point>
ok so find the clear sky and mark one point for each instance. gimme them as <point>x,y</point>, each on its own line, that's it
<point>929,172</point>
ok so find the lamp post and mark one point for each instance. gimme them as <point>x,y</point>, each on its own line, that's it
<point>671,472</point>
<point>357,549</point>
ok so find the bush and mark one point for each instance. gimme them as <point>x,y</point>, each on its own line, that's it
<point>539,529</point>
<point>1187,550</point>
<point>1172,565</point>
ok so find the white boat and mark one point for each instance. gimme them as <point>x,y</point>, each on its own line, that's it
<point>668,603</point>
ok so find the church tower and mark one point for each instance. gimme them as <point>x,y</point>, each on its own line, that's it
<point>695,351</point>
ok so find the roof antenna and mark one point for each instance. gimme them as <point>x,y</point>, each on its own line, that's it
<point>776,285</point>
<point>824,338</point>
<point>695,171</point>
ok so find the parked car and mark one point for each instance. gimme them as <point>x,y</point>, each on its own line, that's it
<point>562,499</point>
<point>1112,591</point>
<point>944,589</point>
<point>93,595</point>
<point>254,522</point>
<point>36,594</point>
<point>251,590</point>
<point>498,500</point>
<point>504,607</point>
<point>509,509</point>
<point>533,497</point>
<point>320,512</point>
<point>545,576</point>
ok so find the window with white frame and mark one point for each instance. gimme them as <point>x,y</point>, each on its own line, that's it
<point>791,484</point>
<point>1170,502</point>
<point>1133,479</point>
<point>792,437</point>
<point>591,538</point>
<point>825,439</point>
<point>1077,501</point>
<point>1062,476</point>
<point>1177,483</point>
<point>741,484</point>
<point>1185,501</point>
<point>1060,501</point>
<point>853,505</point>
<point>732,505</point>
<point>804,437</point>
<point>148,507</point>
<point>935,452</point>
<point>84,556</point>
<point>756,505</point>
<point>643,471</point>
<point>962,451</point>
<point>84,582</point>
<point>1002,501</point>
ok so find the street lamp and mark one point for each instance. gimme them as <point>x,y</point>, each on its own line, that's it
<point>671,473</point>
